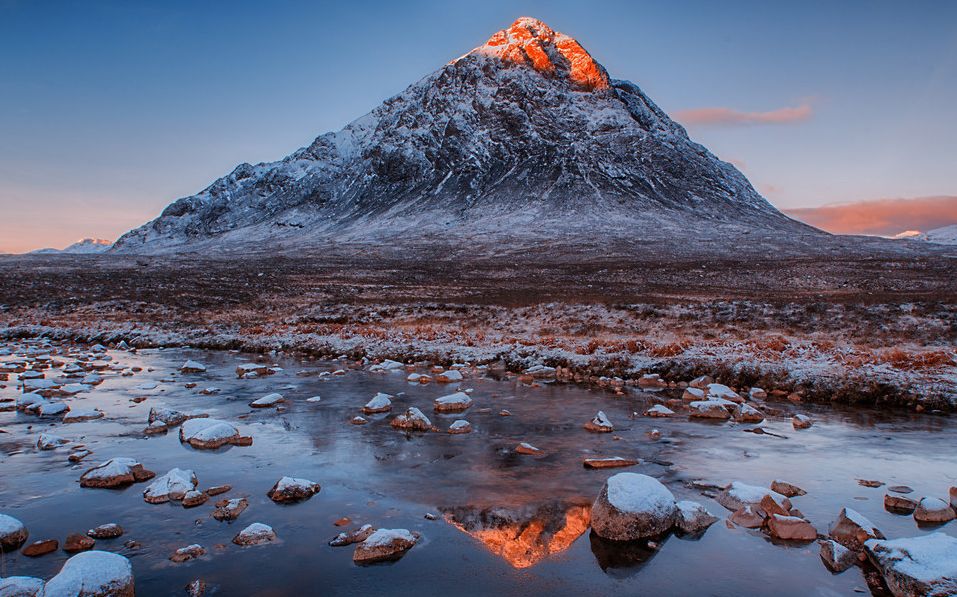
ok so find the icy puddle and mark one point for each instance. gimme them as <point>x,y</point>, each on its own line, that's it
<point>504,522</point>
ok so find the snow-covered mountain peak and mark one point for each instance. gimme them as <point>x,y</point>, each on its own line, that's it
<point>530,42</point>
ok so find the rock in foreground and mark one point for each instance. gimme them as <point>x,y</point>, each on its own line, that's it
<point>93,574</point>
<point>917,566</point>
<point>255,534</point>
<point>116,472</point>
<point>632,506</point>
<point>291,489</point>
<point>12,533</point>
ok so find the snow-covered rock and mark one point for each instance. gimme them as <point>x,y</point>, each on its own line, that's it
<point>171,417</point>
<point>453,403</point>
<point>748,414</point>
<point>412,419</point>
<point>739,494</point>
<point>659,410</point>
<point>460,426</point>
<point>93,574</point>
<point>291,489</point>
<point>192,367</point>
<point>208,433</point>
<point>255,534</point>
<point>268,401</point>
<point>230,509</point>
<point>709,409</point>
<point>836,557</point>
<point>190,552</point>
<point>917,566</point>
<point>692,518</point>
<point>632,506</point>
<point>384,545</point>
<point>116,472</point>
<point>718,391</point>
<point>109,530</point>
<point>933,510</point>
<point>387,365</point>
<point>355,536</point>
<point>12,533</point>
<point>172,486</point>
<point>380,403</point>
<point>79,415</point>
<point>852,529</point>
<point>802,421</point>
<point>250,369</point>
<point>449,376</point>
<point>528,449</point>
<point>48,441</point>
<point>21,586</point>
<point>600,424</point>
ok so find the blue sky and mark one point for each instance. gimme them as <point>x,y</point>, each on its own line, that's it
<point>110,110</point>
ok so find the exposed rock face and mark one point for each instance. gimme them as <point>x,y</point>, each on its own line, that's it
<point>116,472</point>
<point>291,489</point>
<point>917,566</point>
<point>527,128</point>
<point>93,574</point>
<point>632,506</point>
<point>384,545</point>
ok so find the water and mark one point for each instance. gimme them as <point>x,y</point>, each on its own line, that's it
<point>375,474</point>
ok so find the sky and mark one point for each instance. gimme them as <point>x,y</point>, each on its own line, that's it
<point>110,110</point>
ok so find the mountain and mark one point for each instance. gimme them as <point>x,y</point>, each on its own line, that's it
<point>947,235</point>
<point>82,246</point>
<point>525,138</point>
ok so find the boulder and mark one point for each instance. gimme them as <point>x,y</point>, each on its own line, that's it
<point>460,426</point>
<point>387,365</point>
<point>52,409</point>
<point>933,510</point>
<point>452,375</point>
<point>748,414</point>
<point>384,545</point>
<point>528,449</point>
<point>194,498</point>
<point>255,534</point>
<point>787,489</point>
<point>48,441</point>
<point>693,395</point>
<point>599,424</point>
<point>380,403</point>
<point>230,509</point>
<point>412,420</point>
<point>612,462</point>
<point>652,381</point>
<point>355,536</point>
<point>267,401</point>
<point>21,586</point>
<point>252,369</point>
<point>93,574</point>
<point>953,497</point>
<point>852,529</point>
<point>632,506</point>
<point>116,472</point>
<point>749,517</point>
<point>775,503</point>
<point>692,517</point>
<point>757,394</point>
<point>171,417</point>
<point>916,566</point>
<point>453,403</point>
<point>12,533</point>
<point>106,531</point>
<point>40,548</point>
<point>709,409</point>
<point>192,367</point>
<point>835,556</point>
<point>172,486</point>
<point>659,410</point>
<point>701,383</point>
<point>790,528</point>
<point>80,415</point>
<point>185,554</point>
<point>76,542</point>
<point>801,422</point>
<point>739,494</point>
<point>208,433</point>
<point>718,391</point>
<point>290,489</point>
<point>899,504</point>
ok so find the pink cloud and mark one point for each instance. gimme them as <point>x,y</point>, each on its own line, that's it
<point>729,116</point>
<point>884,217</point>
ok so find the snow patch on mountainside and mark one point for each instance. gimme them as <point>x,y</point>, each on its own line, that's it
<point>82,246</point>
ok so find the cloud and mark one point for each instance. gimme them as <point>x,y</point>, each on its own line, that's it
<point>883,217</point>
<point>731,117</point>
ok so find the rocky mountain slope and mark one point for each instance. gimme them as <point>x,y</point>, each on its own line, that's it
<point>524,138</point>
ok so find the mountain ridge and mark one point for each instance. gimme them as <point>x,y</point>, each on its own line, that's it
<point>525,137</point>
